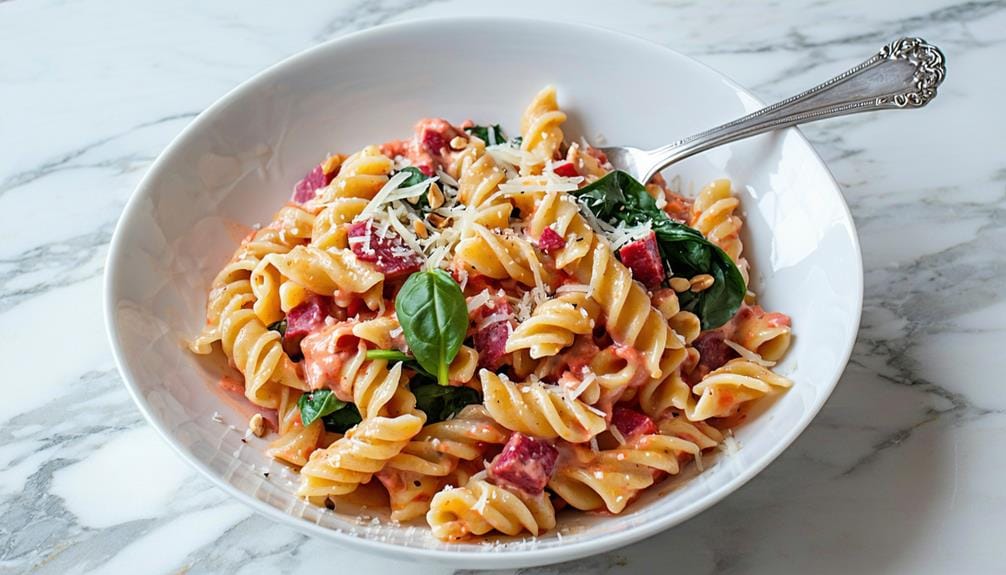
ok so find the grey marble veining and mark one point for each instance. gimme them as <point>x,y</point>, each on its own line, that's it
<point>900,473</point>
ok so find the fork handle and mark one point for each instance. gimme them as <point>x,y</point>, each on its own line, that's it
<point>904,74</point>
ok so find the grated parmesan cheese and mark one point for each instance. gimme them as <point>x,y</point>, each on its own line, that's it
<point>567,288</point>
<point>380,198</point>
<point>730,445</point>
<point>748,354</point>
<point>588,378</point>
<point>478,300</point>
<point>617,434</point>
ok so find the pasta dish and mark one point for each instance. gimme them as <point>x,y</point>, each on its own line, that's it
<point>486,329</point>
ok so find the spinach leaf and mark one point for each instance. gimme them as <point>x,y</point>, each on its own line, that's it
<point>416,176</point>
<point>434,318</point>
<point>443,402</point>
<point>315,404</point>
<point>342,420</point>
<point>482,132</point>
<point>279,326</point>
<point>618,197</point>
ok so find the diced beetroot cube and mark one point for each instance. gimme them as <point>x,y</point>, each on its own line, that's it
<point>387,250</point>
<point>713,353</point>
<point>525,463</point>
<point>630,422</point>
<point>490,340</point>
<point>308,316</point>
<point>307,188</point>
<point>643,258</point>
<point>566,170</point>
<point>550,241</point>
<point>434,141</point>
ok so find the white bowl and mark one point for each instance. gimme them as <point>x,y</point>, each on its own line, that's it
<point>238,161</point>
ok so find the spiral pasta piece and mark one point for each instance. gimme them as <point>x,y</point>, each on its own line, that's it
<point>329,230</point>
<point>540,411</point>
<point>439,447</point>
<point>296,445</point>
<point>480,507</point>
<point>669,390</point>
<point>767,334</point>
<point>499,254</point>
<point>553,325</point>
<point>479,177</point>
<point>723,391</point>
<point>610,478</point>
<point>540,126</point>
<point>409,493</point>
<point>629,317</point>
<point>232,287</point>
<point>357,456</point>
<point>327,272</point>
<point>560,212</point>
<point>713,215</point>
<point>362,175</point>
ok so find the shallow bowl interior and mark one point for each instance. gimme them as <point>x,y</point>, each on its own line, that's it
<point>236,164</point>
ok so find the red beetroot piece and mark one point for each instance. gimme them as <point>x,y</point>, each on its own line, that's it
<point>307,317</point>
<point>643,258</point>
<point>631,423</point>
<point>550,241</point>
<point>566,170</point>
<point>388,251</point>
<point>490,340</point>
<point>525,463</point>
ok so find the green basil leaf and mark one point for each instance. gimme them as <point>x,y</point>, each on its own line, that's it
<point>434,318</point>
<point>618,197</point>
<point>443,402</point>
<point>395,355</point>
<point>315,404</point>
<point>388,354</point>
<point>341,420</point>
<point>482,132</point>
<point>279,326</point>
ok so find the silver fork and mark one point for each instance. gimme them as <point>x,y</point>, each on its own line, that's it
<point>903,75</point>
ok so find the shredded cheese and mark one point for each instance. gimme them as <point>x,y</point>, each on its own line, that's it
<point>578,288</point>
<point>582,385</point>
<point>730,445</point>
<point>617,434</point>
<point>478,300</point>
<point>748,354</point>
<point>380,198</point>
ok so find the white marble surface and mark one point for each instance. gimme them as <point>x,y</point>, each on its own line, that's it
<point>901,473</point>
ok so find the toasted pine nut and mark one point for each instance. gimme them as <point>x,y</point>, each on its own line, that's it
<point>680,284</point>
<point>257,425</point>
<point>435,196</point>
<point>701,282</point>
<point>420,228</point>
<point>458,142</point>
<point>438,221</point>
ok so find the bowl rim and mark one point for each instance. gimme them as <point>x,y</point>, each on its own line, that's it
<point>476,557</point>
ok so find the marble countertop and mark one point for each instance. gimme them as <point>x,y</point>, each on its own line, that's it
<point>902,471</point>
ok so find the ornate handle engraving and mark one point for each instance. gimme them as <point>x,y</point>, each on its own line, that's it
<point>904,74</point>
